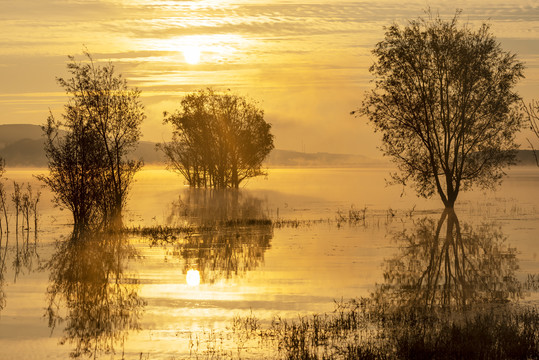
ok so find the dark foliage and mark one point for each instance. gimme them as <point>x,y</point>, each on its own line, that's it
<point>89,170</point>
<point>219,140</point>
<point>444,101</point>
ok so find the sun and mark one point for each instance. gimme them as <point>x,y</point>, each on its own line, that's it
<point>191,54</point>
<point>192,278</point>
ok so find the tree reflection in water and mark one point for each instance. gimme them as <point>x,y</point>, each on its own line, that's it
<point>224,253</point>
<point>90,293</point>
<point>23,257</point>
<point>450,267</point>
<point>26,257</point>
<point>213,207</point>
<point>446,294</point>
<point>232,232</point>
<point>3,258</point>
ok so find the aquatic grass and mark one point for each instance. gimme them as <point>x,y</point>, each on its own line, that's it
<point>314,336</point>
<point>508,332</point>
<point>352,217</point>
<point>359,329</point>
<point>162,233</point>
<point>165,233</point>
<point>244,329</point>
<point>172,233</point>
<point>531,283</point>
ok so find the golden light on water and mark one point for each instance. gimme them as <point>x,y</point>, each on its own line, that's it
<point>192,278</point>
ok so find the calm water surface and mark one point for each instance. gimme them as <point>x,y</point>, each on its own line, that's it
<point>136,297</point>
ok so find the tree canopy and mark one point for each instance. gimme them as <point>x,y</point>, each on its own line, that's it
<point>218,139</point>
<point>444,102</point>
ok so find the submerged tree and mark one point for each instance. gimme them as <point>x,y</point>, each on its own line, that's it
<point>87,151</point>
<point>3,197</point>
<point>444,102</point>
<point>218,141</point>
<point>16,197</point>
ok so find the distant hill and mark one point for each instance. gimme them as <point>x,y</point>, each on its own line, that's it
<point>147,152</point>
<point>22,145</point>
<point>527,158</point>
<point>24,152</point>
<point>15,132</point>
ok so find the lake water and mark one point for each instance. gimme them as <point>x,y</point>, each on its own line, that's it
<point>137,298</point>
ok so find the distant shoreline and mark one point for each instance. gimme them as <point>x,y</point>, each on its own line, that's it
<point>22,147</point>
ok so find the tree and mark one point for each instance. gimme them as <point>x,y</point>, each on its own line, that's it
<point>89,170</point>
<point>75,161</point>
<point>16,197</point>
<point>218,140</point>
<point>532,114</point>
<point>3,197</point>
<point>444,102</point>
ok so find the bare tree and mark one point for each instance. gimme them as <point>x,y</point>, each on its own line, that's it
<point>219,140</point>
<point>25,208</point>
<point>29,201</point>
<point>16,198</point>
<point>532,113</point>
<point>3,197</point>
<point>3,206</point>
<point>445,103</point>
<point>34,200</point>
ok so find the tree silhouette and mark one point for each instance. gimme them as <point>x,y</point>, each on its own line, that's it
<point>3,197</point>
<point>3,269</point>
<point>444,102</point>
<point>87,151</point>
<point>218,140</point>
<point>76,162</point>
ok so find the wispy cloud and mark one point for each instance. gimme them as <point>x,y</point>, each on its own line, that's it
<point>291,54</point>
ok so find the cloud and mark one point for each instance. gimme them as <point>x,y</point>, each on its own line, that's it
<point>306,60</point>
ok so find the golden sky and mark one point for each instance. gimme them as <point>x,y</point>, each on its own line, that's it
<point>305,62</point>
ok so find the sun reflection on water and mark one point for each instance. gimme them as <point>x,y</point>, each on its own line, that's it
<point>192,277</point>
